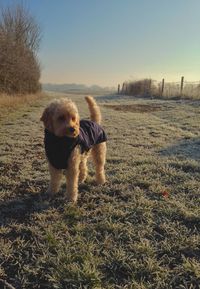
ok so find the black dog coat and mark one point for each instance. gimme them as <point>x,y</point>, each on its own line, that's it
<point>58,149</point>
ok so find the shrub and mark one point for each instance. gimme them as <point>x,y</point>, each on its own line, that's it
<point>19,42</point>
<point>144,87</point>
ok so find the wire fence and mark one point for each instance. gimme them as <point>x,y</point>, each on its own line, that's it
<point>153,88</point>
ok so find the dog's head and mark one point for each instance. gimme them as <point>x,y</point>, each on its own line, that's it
<point>61,118</point>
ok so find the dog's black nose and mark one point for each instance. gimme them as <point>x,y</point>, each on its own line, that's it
<point>71,129</point>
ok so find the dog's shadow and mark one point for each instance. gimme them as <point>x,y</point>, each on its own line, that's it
<point>20,207</point>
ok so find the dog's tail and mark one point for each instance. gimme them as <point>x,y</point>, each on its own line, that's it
<point>95,113</point>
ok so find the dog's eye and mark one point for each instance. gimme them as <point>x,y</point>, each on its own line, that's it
<point>61,118</point>
<point>73,118</point>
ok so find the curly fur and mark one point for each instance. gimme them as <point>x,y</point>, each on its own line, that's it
<point>61,117</point>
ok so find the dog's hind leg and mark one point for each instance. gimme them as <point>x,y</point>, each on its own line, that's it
<point>99,159</point>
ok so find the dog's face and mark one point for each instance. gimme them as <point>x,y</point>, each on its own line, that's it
<point>61,118</point>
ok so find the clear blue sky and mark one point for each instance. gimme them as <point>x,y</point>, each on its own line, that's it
<point>106,42</point>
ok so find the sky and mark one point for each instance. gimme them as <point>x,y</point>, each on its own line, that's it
<point>106,42</point>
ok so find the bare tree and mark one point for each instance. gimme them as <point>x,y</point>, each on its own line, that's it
<point>20,36</point>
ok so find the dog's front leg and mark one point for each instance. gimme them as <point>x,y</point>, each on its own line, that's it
<point>72,175</point>
<point>55,180</point>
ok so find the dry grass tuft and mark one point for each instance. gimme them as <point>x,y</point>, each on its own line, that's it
<point>144,87</point>
<point>11,102</point>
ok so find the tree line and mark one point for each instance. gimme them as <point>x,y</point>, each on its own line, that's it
<point>20,37</point>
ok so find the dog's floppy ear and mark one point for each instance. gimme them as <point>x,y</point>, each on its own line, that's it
<point>47,118</point>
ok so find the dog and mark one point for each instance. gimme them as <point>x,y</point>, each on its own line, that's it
<point>68,143</point>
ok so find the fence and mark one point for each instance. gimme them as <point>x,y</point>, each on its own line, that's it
<point>149,87</point>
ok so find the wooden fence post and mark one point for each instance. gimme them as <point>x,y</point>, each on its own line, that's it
<point>182,82</point>
<point>150,83</point>
<point>162,86</point>
<point>118,89</point>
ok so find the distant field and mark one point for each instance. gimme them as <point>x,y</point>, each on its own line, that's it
<point>139,231</point>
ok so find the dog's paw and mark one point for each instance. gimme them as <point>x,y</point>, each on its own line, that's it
<point>82,178</point>
<point>100,180</point>
<point>72,198</point>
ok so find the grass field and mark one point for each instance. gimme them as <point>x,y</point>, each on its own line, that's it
<point>10,103</point>
<point>139,231</point>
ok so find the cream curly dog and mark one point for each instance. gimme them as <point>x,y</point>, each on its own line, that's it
<point>68,143</point>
